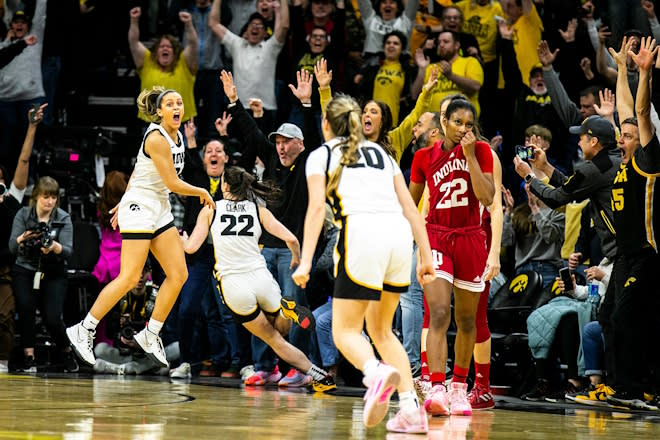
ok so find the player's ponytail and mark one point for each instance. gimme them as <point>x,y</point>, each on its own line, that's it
<point>148,102</point>
<point>343,115</point>
<point>244,186</point>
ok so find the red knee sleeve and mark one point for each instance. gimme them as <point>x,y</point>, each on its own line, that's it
<point>481,320</point>
<point>427,315</point>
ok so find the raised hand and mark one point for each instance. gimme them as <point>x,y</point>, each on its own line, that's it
<point>621,56</point>
<point>433,79</point>
<point>304,90</point>
<point>585,65</point>
<point>257,107</point>
<point>421,60</point>
<point>228,85</point>
<point>545,56</point>
<point>189,129</point>
<point>323,77</point>
<point>30,40</point>
<point>569,34</point>
<point>136,12</point>
<point>649,8</point>
<point>603,34</point>
<point>606,107</point>
<point>646,55</point>
<point>508,200</point>
<point>185,17</point>
<point>468,142</point>
<point>37,117</point>
<point>222,123</point>
<point>506,31</point>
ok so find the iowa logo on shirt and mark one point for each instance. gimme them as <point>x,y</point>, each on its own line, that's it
<point>134,207</point>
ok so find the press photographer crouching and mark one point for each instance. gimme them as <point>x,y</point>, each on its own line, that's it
<point>128,317</point>
<point>42,240</point>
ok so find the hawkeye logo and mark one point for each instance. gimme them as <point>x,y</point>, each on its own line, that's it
<point>555,288</point>
<point>630,281</point>
<point>519,283</point>
<point>134,207</point>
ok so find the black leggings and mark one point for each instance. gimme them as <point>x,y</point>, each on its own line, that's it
<point>566,345</point>
<point>50,300</point>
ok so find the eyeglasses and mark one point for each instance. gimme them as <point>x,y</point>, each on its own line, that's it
<point>257,25</point>
<point>317,37</point>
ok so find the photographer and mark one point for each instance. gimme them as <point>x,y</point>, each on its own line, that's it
<point>42,239</point>
<point>128,317</point>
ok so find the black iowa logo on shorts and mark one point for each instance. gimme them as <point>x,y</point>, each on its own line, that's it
<point>134,207</point>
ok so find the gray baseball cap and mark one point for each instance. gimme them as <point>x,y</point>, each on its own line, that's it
<point>287,130</point>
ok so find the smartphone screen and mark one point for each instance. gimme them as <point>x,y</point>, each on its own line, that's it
<point>565,275</point>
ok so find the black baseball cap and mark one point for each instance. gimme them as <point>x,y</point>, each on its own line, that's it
<point>598,127</point>
<point>20,16</point>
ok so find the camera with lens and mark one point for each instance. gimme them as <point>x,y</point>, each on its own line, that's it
<point>524,152</point>
<point>42,239</point>
<point>129,328</point>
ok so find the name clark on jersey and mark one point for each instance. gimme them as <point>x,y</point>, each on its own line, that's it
<point>449,167</point>
<point>235,207</point>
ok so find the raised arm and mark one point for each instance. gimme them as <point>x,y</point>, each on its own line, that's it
<point>191,51</point>
<point>21,173</point>
<point>602,56</point>
<point>218,28</point>
<point>410,11</point>
<point>644,60</point>
<point>482,183</point>
<point>281,20</point>
<point>137,48</point>
<point>624,98</point>
<point>527,6</point>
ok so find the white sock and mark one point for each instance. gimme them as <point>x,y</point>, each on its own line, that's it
<point>154,326</point>
<point>90,322</point>
<point>370,366</point>
<point>408,402</point>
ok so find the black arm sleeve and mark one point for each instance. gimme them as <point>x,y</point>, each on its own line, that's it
<point>8,53</point>
<point>253,141</point>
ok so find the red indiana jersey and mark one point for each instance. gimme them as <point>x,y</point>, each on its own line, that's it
<point>453,203</point>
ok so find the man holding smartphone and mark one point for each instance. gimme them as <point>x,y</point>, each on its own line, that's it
<point>592,178</point>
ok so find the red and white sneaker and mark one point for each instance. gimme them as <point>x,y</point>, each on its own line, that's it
<point>458,401</point>
<point>380,386</point>
<point>263,377</point>
<point>295,379</point>
<point>437,402</point>
<point>409,423</point>
<point>480,398</point>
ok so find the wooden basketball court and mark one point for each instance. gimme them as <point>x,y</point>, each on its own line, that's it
<point>80,407</point>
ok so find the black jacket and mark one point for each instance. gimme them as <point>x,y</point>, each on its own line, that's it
<point>293,206</point>
<point>591,180</point>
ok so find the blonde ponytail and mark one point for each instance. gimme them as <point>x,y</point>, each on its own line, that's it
<point>343,114</point>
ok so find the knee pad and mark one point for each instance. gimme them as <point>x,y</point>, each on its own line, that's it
<point>483,332</point>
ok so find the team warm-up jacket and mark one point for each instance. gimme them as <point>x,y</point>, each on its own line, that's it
<point>291,209</point>
<point>592,179</point>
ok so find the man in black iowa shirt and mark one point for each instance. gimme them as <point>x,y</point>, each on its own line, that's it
<point>284,155</point>
<point>635,196</point>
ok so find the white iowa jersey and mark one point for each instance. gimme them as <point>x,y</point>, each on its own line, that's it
<point>145,175</point>
<point>364,188</point>
<point>235,232</point>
